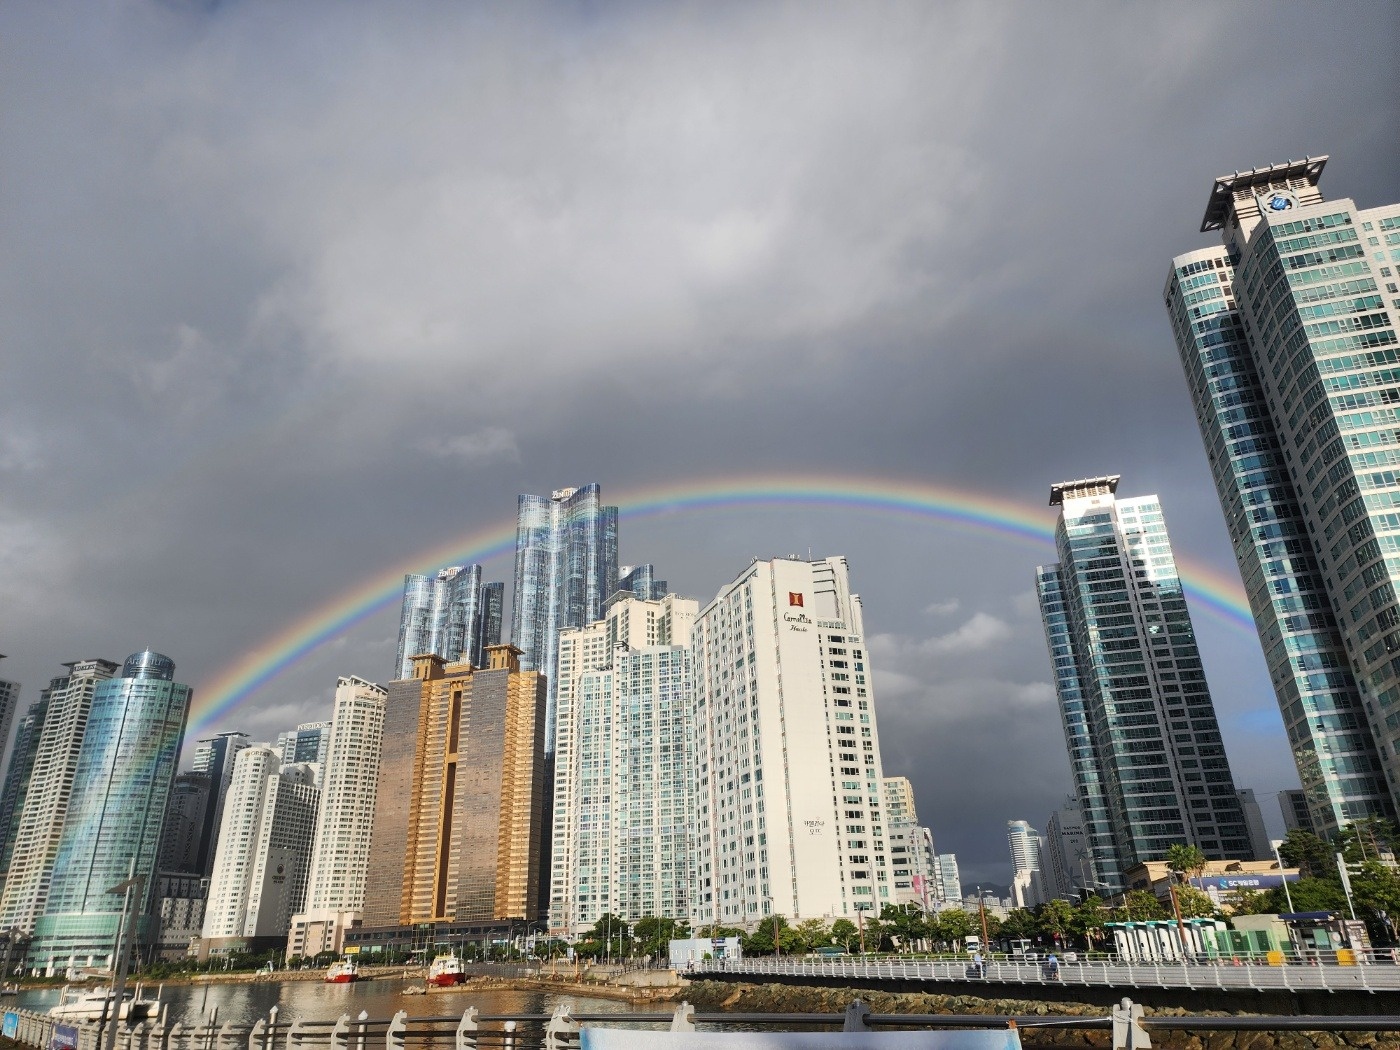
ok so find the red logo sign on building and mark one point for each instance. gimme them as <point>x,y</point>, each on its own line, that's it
<point>795,598</point>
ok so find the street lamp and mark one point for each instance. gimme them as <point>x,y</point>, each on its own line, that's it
<point>1276,843</point>
<point>122,949</point>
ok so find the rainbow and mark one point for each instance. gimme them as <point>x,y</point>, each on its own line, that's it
<point>1218,593</point>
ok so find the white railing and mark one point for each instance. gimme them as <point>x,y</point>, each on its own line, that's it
<point>1371,976</point>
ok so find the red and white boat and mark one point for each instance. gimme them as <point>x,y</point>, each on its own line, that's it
<point>343,971</point>
<point>445,971</point>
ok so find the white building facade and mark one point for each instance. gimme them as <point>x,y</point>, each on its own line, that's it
<point>335,884</point>
<point>260,866</point>
<point>624,829</point>
<point>789,758</point>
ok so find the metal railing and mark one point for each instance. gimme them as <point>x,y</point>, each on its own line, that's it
<point>560,1030</point>
<point>1369,977</point>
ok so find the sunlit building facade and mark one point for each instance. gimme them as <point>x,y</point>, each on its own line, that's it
<point>112,832</point>
<point>1287,333</point>
<point>1144,742</point>
<point>624,814</point>
<point>50,791</point>
<point>791,806</point>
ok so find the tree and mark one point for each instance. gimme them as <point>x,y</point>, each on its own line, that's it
<point>814,933</point>
<point>844,933</point>
<point>1194,903</point>
<point>1019,924</point>
<point>1366,839</point>
<point>954,925</point>
<point>1140,905</point>
<point>654,935</point>
<point>905,922</point>
<point>1311,855</point>
<point>760,942</point>
<point>1088,920</point>
<point>1055,918</point>
<point>1245,901</point>
<point>1185,861</point>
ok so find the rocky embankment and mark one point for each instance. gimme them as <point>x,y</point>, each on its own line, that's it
<point>785,998</point>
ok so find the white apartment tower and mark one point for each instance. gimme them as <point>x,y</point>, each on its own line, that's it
<point>45,811</point>
<point>624,822</point>
<point>789,750</point>
<point>912,860</point>
<point>335,885</point>
<point>259,877</point>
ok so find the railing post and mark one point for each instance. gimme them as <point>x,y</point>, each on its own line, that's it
<point>561,1027</point>
<point>340,1034</point>
<point>1128,1033</point>
<point>295,1035</point>
<point>394,1033</point>
<point>271,1038</point>
<point>856,1013</point>
<point>466,1029</point>
<point>683,1020</point>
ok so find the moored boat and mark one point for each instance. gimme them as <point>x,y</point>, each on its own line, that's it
<point>343,971</point>
<point>445,971</point>
<point>92,1004</point>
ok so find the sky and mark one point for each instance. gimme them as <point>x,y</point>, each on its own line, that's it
<point>293,294</point>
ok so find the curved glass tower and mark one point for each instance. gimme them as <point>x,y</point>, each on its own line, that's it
<point>120,787</point>
<point>565,569</point>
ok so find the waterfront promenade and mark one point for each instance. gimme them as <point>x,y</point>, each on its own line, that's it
<point>1328,977</point>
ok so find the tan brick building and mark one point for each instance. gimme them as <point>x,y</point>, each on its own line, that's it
<point>459,816</point>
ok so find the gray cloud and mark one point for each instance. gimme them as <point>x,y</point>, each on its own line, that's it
<point>272,275</point>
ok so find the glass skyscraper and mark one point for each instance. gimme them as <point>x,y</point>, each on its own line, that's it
<point>123,779</point>
<point>565,569</point>
<point>1287,332</point>
<point>451,615</point>
<point>1144,744</point>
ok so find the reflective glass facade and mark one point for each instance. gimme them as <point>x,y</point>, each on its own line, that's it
<point>449,615</point>
<point>16,787</point>
<point>565,569</point>
<point>1287,335</point>
<point>123,779</point>
<point>1149,764</point>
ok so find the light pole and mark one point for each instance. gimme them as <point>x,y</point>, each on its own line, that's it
<point>126,930</point>
<point>1276,843</point>
<point>1346,885</point>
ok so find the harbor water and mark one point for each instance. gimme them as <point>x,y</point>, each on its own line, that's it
<point>315,1000</point>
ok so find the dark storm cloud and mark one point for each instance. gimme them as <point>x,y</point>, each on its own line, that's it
<point>291,292</point>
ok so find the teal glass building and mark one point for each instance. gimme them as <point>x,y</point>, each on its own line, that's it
<point>124,774</point>
<point>1144,743</point>
<point>1287,334</point>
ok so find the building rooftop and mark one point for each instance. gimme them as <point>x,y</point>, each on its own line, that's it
<point>1222,194</point>
<point>1106,485</point>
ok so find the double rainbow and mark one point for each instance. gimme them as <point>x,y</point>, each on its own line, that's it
<point>1220,594</point>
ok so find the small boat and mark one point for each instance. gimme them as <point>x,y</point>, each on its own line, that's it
<point>92,1004</point>
<point>343,971</point>
<point>445,971</point>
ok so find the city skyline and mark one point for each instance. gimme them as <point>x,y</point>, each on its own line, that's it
<point>239,249</point>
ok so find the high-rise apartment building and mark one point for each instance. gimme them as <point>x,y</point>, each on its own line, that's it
<point>565,569</point>
<point>624,812</point>
<point>1024,842</point>
<point>214,757</point>
<point>949,882</point>
<point>1294,804</point>
<point>1065,859</point>
<point>16,787</point>
<point>641,581</point>
<point>1287,332</point>
<point>789,749</point>
<point>1144,743</point>
<point>913,865</point>
<point>335,894</point>
<point>264,850</point>
<point>306,743</point>
<point>184,824</point>
<point>50,789</point>
<point>452,615</point>
<point>460,803</point>
<point>9,700</point>
<point>121,783</point>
